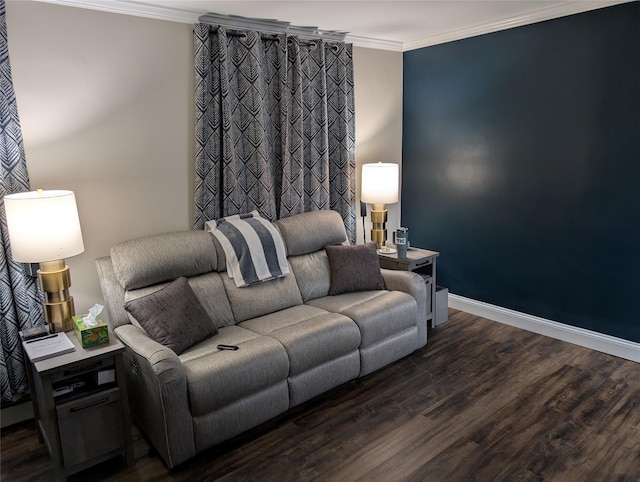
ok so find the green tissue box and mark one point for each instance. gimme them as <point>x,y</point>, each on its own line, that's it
<point>90,335</point>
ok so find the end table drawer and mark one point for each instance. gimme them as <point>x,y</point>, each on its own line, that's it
<point>90,426</point>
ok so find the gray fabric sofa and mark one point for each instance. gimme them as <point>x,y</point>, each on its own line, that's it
<point>295,342</point>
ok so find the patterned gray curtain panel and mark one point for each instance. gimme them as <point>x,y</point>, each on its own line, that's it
<point>19,299</point>
<point>275,129</point>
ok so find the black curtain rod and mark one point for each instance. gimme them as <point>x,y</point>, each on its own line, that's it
<point>270,26</point>
<point>267,38</point>
<point>231,33</point>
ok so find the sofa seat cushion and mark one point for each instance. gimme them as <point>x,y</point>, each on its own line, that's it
<point>310,335</point>
<point>378,314</point>
<point>216,378</point>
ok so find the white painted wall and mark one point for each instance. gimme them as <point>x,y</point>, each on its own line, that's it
<point>106,107</point>
<point>378,100</point>
<point>105,104</point>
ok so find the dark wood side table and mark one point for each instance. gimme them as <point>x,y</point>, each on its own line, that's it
<point>421,261</point>
<point>91,423</point>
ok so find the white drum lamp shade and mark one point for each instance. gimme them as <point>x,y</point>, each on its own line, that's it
<point>44,228</point>
<point>379,183</point>
<point>379,187</point>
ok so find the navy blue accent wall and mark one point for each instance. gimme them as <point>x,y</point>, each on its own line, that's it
<point>521,165</point>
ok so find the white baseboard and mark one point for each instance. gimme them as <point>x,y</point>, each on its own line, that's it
<point>578,336</point>
<point>16,413</point>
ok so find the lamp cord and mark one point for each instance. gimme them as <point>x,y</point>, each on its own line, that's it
<point>364,232</point>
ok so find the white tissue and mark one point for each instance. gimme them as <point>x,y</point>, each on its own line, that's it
<point>91,318</point>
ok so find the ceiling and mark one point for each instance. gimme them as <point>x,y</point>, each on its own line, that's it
<point>388,25</point>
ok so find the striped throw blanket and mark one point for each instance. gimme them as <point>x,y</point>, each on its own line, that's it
<point>253,247</point>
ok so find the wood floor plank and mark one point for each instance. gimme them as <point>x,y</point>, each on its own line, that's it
<point>478,424</point>
<point>482,401</point>
<point>451,417</point>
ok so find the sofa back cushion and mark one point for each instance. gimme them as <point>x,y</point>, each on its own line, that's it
<point>209,290</point>
<point>305,236</point>
<point>261,298</point>
<point>310,232</point>
<point>312,274</point>
<point>173,316</point>
<point>150,260</point>
<point>145,265</point>
<point>220,256</point>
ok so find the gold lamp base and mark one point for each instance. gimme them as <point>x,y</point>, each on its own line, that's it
<point>55,280</point>
<point>378,225</point>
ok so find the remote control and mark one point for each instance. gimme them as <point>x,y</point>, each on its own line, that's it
<point>227,347</point>
<point>35,332</point>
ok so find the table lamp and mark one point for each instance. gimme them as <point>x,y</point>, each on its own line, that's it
<point>44,228</point>
<point>379,187</point>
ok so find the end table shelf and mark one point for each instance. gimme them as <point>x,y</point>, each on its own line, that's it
<point>81,407</point>
<point>422,262</point>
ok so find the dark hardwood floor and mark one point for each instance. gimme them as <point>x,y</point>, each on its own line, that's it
<point>481,402</point>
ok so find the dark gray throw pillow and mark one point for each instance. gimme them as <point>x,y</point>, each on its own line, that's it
<point>354,268</point>
<point>173,316</point>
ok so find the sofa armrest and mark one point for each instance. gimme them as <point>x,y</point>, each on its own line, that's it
<point>413,284</point>
<point>112,292</point>
<point>158,394</point>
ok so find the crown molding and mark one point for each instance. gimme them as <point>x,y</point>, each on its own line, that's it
<point>374,43</point>
<point>191,16</point>
<point>535,16</point>
<point>140,9</point>
<point>133,8</point>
